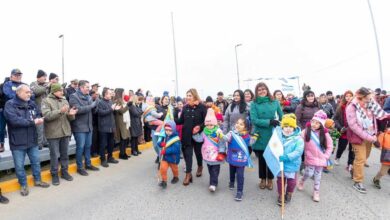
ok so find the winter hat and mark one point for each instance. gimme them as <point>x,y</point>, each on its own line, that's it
<point>289,120</point>
<point>219,117</point>
<point>320,116</point>
<point>210,117</point>
<point>165,93</point>
<point>306,93</point>
<point>52,76</point>
<point>55,87</point>
<point>209,99</point>
<point>329,123</point>
<point>126,98</point>
<point>41,73</point>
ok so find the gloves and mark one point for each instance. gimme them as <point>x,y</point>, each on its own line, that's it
<point>283,158</point>
<point>221,157</point>
<point>274,122</point>
<point>162,152</point>
<point>163,144</point>
<point>377,144</point>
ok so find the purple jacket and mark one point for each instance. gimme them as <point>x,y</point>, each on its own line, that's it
<point>355,133</point>
<point>305,114</point>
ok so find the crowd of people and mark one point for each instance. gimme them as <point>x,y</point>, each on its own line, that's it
<point>311,129</point>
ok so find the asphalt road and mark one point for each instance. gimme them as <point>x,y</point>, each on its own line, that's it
<point>129,190</point>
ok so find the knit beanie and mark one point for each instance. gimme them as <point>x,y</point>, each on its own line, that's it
<point>209,99</point>
<point>320,116</point>
<point>210,117</point>
<point>289,120</point>
<point>55,87</point>
<point>329,123</point>
<point>41,73</point>
<point>52,76</point>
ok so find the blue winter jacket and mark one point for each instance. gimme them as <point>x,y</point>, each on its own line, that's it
<point>20,116</point>
<point>293,148</point>
<point>172,153</point>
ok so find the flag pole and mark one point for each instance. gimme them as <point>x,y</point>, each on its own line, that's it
<point>282,194</point>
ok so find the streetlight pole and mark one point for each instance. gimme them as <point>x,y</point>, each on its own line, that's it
<point>174,55</point>
<point>63,74</point>
<point>238,73</point>
<point>377,44</point>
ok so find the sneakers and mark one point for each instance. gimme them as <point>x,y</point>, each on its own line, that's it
<point>93,168</point>
<point>377,183</point>
<point>3,200</point>
<point>212,188</point>
<point>163,184</point>
<point>66,176</point>
<point>316,196</point>
<point>337,162</point>
<point>104,164</point>
<point>55,180</point>
<point>41,184</point>
<point>360,188</point>
<point>300,184</point>
<point>112,160</point>
<point>238,196</point>
<point>82,172</point>
<point>231,185</point>
<point>175,180</point>
<point>24,191</point>
<point>279,202</point>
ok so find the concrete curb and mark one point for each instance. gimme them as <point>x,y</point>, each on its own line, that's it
<point>13,185</point>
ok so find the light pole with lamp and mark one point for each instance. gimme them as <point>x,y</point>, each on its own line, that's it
<point>238,73</point>
<point>63,39</point>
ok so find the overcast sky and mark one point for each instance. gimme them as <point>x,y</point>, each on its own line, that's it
<point>329,44</point>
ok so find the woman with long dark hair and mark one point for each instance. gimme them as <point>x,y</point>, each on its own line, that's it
<point>192,118</point>
<point>265,114</point>
<point>237,109</point>
<point>305,111</point>
<point>122,122</point>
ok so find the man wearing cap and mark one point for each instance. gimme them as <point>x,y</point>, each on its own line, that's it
<point>82,126</point>
<point>40,90</point>
<point>57,114</point>
<point>221,103</point>
<point>9,88</point>
<point>74,84</point>
<point>22,116</point>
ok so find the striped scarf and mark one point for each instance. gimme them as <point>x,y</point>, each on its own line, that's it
<point>372,106</point>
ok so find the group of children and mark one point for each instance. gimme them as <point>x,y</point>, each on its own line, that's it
<point>315,142</point>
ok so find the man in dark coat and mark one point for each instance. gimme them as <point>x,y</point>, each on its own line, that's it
<point>21,115</point>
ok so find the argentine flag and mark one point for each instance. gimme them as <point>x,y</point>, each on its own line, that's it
<point>273,151</point>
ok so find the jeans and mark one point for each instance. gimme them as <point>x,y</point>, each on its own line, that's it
<point>19,157</point>
<point>59,149</point>
<point>83,147</point>
<point>239,171</point>
<point>106,142</point>
<point>214,173</point>
<point>2,126</point>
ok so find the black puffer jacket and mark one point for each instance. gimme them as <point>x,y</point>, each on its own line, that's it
<point>190,117</point>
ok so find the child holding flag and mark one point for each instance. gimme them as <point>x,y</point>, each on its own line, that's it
<point>289,135</point>
<point>170,154</point>
<point>238,154</point>
<point>318,148</point>
<point>213,148</point>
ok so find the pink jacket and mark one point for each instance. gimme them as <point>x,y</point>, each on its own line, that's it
<point>313,155</point>
<point>355,128</point>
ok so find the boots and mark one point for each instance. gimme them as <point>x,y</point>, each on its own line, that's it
<point>199,171</point>
<point>270,184</point>
<point>262,184</point>
<point>2,147</point>
<point>187,179</point>
<point>3,200</point>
